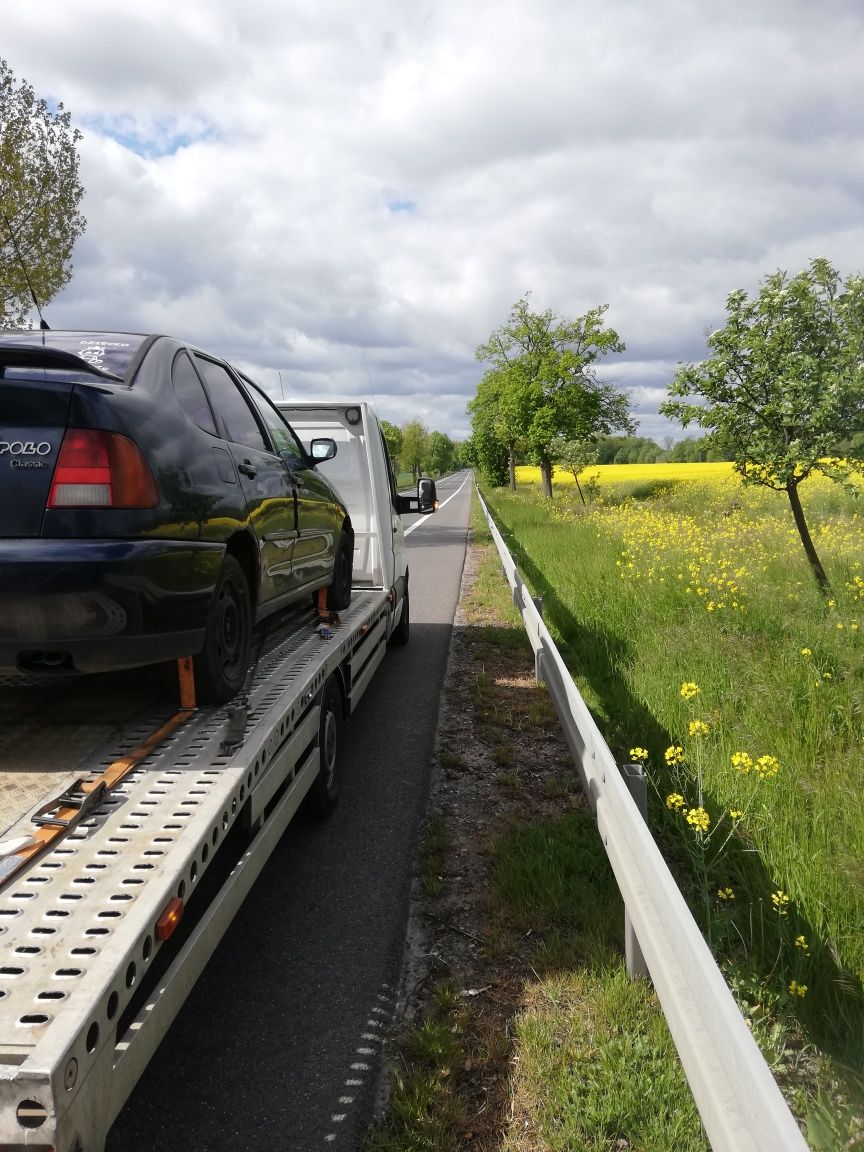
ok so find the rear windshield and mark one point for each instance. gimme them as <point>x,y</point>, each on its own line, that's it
<point>108,351</point>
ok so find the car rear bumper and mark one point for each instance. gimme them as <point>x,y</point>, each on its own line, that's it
<point>97,605</point>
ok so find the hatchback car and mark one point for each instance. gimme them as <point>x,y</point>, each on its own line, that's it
<point>153,504</point>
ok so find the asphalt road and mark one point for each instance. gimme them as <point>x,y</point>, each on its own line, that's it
<point>278,1047</point>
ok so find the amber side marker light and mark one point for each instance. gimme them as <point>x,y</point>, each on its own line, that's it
<point>169,919</point>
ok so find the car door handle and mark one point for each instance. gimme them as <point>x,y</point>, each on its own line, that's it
<point>248,469</point>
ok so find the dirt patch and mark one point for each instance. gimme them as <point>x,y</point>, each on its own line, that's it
<point>500,758</point>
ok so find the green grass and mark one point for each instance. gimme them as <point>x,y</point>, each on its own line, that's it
<point>582,1061</point>
<point>633,623</point>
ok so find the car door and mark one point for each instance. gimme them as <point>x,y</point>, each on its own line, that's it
<point>264,477</point>
<point>319,516</point>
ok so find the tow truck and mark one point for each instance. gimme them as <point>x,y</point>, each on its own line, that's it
<point>120,869</point>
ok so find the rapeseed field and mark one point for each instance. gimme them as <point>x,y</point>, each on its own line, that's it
<point>687,613</point>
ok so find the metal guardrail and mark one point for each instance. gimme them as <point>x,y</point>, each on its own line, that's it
<point>741,1107</point>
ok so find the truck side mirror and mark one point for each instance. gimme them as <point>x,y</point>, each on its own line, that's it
<point>322,449</point>
<point>427,498</point>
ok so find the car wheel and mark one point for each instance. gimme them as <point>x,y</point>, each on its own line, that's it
<point>399,635</point>
<point>322,796</point>
<point>221,666</point>
<point>339,592</point>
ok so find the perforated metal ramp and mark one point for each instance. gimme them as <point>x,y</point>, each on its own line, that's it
<point>77,926</point>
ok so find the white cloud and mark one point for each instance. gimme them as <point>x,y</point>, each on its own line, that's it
<point>294,185</point>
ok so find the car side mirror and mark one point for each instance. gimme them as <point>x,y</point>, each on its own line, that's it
<point>427,498</point>
<point>322,449</point>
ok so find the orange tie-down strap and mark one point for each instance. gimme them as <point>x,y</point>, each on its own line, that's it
<point>57,818</point>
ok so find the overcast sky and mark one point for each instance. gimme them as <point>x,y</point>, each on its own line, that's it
<point>311,188</point>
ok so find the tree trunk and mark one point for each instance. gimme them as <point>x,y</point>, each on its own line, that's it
<point>511,461</point>
<point>546,476</point>
<point>806,540</point>
<point>579,488</point>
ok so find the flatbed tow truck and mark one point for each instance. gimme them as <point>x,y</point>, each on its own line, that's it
<point>121,868</point>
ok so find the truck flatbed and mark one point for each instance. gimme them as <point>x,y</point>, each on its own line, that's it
<point>87,987</point>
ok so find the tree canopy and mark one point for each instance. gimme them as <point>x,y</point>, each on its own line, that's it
<point>784,383</point>
<point>542,387</point>
<point>39,197</point>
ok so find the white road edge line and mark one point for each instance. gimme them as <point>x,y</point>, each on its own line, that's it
<point>423,519</point>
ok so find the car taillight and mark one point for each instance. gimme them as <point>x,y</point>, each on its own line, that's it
<point>97,469</point>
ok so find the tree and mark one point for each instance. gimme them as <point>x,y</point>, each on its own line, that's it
<point>39,197</point>
<point>784,384</point>
<point>440,453</point>
<point>543,367</point>
<point>393,435</point>
<point>576,456</point>
<point>415,441</point>
<point>497,414</point>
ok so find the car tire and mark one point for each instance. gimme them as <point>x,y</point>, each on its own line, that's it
<point>221,665</point>
<point>321,798</point>
<point>339,592</point>
<point>399,635</point>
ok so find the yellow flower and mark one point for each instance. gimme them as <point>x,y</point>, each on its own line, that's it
<point>725,894</point>
<point>780,901</point>
<point>735,813</point>
<point>767,766</point>
<point>796,989</point>
<point>698,728</point>
<point>689,690</point>
<point>801,942</point>
<point>806,651</point>
<point>674,755</point>
<point>640,754</point>
<point>699,819</point>
<point>741,761</point>
<point>674,801</point>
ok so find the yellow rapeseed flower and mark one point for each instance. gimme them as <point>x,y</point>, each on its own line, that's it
<point>689,690</point>
<point>767,766</point>
<point>699,819</point>
<point>675,802</point>
<point>698,728</point>
<point>801,942</point>
<point>780,901</point>
<point>741,761</point>
<point>806,651</point>
<point>735,813</point>
<point>725,894</point>
<point>674,755</point>
<point>796,989</point>
<point>639,754</point>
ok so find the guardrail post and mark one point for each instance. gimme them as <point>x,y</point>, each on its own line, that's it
<point>538,653</point>
<point>637,786</point>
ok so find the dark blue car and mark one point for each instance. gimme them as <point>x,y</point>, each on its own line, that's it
<point>153,504</point>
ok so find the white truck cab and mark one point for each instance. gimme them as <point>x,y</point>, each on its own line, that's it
<point>363,474</point>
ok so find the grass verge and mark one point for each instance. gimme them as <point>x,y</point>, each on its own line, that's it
<point>523,1033</point>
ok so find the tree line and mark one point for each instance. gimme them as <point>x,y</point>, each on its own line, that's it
<point>413,448</point>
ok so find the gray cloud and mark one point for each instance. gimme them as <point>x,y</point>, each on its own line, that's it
<point>243,165</point>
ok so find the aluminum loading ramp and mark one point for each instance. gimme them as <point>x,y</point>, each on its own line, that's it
<point>78,925</point>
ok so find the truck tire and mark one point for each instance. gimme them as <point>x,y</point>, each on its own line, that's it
<point>339,592</point>
<point>221,665</point>
<point>321,798</point>
<point>399,635</point>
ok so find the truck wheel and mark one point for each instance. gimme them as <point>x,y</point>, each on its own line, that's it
<point>399,635</point>
<point>322,796</point>
<point>339,592</point>
<point>220,667</point>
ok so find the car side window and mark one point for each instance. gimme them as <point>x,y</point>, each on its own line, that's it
<point>232,405</point>
<point>191,395</point>
<point>282,434</point>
